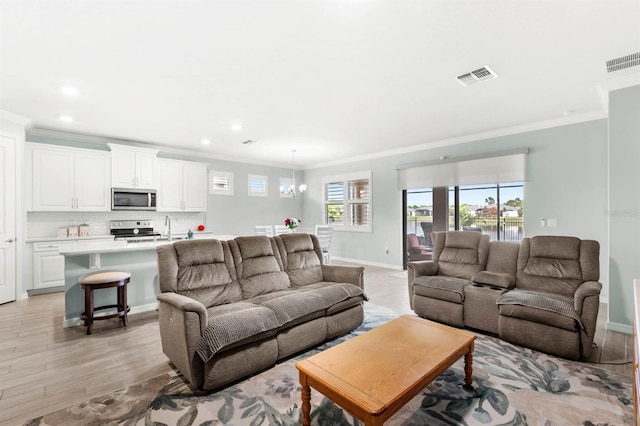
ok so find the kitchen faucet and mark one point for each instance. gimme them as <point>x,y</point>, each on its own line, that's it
<point>167,222</point>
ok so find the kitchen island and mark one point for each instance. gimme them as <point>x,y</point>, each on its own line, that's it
<point>139,259</point>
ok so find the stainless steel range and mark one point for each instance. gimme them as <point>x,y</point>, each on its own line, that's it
<point>133,230</point>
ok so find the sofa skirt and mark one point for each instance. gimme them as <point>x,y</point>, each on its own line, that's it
<point>541,337</point>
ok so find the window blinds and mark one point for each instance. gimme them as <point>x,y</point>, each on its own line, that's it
<point>499,167</point>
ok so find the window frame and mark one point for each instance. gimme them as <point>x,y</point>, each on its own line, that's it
<point>265,180</point>
<point>213,174</point>
<point>347,202</point>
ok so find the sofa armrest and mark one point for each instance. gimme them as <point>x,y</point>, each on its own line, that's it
<point>182,321</point>
<point>587,289</point>
<point>586,301</point>
<point>344,274</point>
<point>418,269</point>
<point>186,304</point>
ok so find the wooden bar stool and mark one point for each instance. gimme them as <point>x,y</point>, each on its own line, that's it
<point>99,280</point>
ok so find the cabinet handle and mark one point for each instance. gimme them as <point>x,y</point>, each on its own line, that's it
<point>10,240</point>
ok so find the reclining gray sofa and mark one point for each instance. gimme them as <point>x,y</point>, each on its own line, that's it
<point>228,309</point>
<point>542,293</point>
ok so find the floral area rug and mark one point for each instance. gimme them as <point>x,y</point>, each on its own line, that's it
<point>513,386</point>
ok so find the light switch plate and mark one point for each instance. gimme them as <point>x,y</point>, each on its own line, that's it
<point>552,223</point>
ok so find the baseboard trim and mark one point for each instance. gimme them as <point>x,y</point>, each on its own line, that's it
<point>364,262</point>
<point>620,328</point>
<point>73,322</point>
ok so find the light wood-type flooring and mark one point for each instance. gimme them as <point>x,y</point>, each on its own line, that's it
<point>45,367</point>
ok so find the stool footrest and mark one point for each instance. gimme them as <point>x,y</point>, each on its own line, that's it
<point>108,316</point>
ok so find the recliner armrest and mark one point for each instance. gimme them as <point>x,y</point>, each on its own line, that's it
<point>419,268</point>
<point>586,289</point>
<point>344,274</point>
<point>185,304</point>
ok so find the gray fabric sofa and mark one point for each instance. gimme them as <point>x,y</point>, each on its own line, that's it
<point>228,309</point>
<point>542,293</point>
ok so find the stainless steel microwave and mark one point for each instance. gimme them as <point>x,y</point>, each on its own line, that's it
<point>133,199</point>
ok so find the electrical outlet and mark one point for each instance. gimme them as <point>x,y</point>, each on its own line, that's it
<point>553,223</point>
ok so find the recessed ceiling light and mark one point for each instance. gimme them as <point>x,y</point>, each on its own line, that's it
<point>69,90</point>
<point>66,118</point>
<point>205,141</point>
<point>568,112</point>
<point>236,127</point>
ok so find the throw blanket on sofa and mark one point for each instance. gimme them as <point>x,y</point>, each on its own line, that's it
<point>557,303</point>
<point>234,326</point>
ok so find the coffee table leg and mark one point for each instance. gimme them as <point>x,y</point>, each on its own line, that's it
<point>306,400</point>
<point>468,369</point>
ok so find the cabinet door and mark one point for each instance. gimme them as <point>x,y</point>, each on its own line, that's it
<point>93,182</point>
<point>53,180</point>
<point>123,168</point>
<point>145,170</point>
<point>170,191</point>
<point>48,269</point>
<point>194,188</point>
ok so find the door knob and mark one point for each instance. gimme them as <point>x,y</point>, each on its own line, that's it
<point>10,240</point>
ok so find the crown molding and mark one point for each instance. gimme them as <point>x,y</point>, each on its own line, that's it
<point>540,125</point>
<point>18,119</point>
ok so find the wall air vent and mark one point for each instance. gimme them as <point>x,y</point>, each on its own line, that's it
<point>477,76</point>
<point>623,62</point>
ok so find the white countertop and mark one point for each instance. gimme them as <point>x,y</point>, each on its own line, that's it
<point>95,247</point>
<point>78,239</point>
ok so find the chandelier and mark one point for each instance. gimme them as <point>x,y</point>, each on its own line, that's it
<point>290,190</point>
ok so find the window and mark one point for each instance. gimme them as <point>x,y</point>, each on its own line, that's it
<point>493,209</point>
<point>220,183</point>
<point>257,186</point>
<point>347,201</point>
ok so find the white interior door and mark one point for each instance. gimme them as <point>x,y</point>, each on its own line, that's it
<point>7,219</point>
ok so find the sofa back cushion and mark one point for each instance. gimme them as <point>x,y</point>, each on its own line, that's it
<point>556,264</point>
<point>460,254</point>
<point>200,269</point>
<point>258,264</point>
<point>301,258</point>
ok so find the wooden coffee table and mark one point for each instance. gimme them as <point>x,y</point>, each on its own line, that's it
<point>375,374</point>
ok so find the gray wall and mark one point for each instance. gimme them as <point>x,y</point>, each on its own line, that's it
<point>566,180</point>
<point>624,204</point>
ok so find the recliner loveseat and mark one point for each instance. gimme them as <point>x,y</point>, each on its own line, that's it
<point>228,309</point>
<point>542,293</point>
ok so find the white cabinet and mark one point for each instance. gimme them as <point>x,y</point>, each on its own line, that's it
<point>132,167</point>
<point>183,186</point>
<point>48,264</point>
<point>69,179</point>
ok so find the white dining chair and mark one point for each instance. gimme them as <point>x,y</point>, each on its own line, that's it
<point>282,229</point>
<point>264,230</point>
<point>324,232</point>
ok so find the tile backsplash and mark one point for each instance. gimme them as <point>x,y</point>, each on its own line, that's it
<point>46,224</point>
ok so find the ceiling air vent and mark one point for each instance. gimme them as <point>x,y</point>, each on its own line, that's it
<point>477,76</point>
<point>623,62</point>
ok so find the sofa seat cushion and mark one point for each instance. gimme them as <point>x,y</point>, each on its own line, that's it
<point>441,287</point>
<point>552,309</point>
<point>289,306</point>
<point>232,323</point>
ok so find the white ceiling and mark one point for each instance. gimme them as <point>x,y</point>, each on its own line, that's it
<point>331,79</point>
